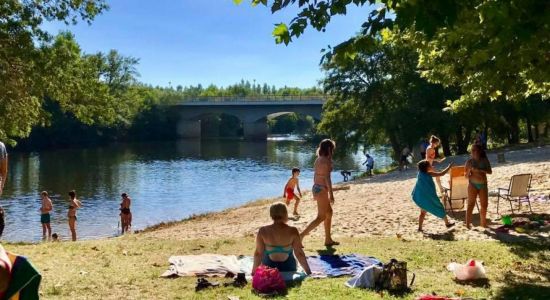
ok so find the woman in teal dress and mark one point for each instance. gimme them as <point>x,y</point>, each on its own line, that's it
<point>476,169</point>
<point>425,196</point>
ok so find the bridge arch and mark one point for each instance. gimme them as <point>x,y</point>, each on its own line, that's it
<point>252,113</point>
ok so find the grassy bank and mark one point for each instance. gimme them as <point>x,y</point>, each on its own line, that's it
<point>129,267</point>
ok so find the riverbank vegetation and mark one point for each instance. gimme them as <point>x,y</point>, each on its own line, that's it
<point>64,97</point>
<point>129,267</point>
<point>421,67</point>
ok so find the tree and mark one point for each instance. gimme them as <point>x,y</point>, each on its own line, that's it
<point>25,79</point>
<point>378,97</point>
<point>488,49</point>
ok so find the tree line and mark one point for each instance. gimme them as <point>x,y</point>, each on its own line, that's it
<point>422,67</point>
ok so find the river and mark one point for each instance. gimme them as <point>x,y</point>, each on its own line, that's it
<point>167,181</point>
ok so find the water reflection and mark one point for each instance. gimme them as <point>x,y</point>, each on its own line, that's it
<point>167,181</point>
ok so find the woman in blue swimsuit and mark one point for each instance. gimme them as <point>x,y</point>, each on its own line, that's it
<point>322,191</point>
<point>477,168</point>
<point>278,244</point>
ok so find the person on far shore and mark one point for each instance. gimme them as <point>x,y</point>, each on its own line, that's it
<point>322,191</point>
<point>369,163</point>
<point>425,196</point>
<point>45,209</point>
<point>73,206</point>
<point>288,193</point>
<point>476,170</point>
<point>278,244</point>
<point>125,213</point>
<point>403,161</point>
<point>431,157</point>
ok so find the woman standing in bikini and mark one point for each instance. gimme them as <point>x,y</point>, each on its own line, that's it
<point>322,190</point>
<point>476,170</point>
<point>73,206</point>
<point>431,158</point>
<point>125,213</point>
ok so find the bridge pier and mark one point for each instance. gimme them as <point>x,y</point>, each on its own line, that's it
<point>188,129</point>
<point>255,130</point>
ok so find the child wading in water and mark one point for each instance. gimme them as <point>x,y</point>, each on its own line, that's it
<point>425,196</point>
<point>45,215</point>
<point>288,192</point>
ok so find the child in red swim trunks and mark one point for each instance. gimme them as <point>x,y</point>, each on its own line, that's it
<point>288,192</point>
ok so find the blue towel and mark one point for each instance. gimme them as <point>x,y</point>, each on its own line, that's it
<point>425,196</point>
<point>339,265</point>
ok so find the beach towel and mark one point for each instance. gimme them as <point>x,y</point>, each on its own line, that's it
<point>425,196</point>
<point>339,265</point>
<point>202,265</point>
<point>25,280</point>
<point>214,265</point>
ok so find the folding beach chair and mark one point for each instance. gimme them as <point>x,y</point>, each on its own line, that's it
<point>517,191</point>
<point>457,192</point>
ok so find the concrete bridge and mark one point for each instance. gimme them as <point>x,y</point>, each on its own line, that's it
<point>253,112</point>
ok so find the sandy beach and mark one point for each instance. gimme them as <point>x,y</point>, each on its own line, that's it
<point>378,206</point>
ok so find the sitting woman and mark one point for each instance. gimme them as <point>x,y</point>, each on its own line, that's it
<point>276,244</point>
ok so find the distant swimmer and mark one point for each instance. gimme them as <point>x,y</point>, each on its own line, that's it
<point>45,210</point>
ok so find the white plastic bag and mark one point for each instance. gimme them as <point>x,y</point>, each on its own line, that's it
<point>472,270</point>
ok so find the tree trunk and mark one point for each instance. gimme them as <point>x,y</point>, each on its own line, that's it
<point>445,143</point>
<point>394,141</point>
<point>514,133</point>
<point>529,131</point>
<point>536,125</point>
<point>463,136</point>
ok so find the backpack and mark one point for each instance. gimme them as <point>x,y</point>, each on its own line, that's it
<point>268,280</point>
<point>394,277</point>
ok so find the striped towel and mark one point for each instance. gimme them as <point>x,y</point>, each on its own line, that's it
<point>25,280</point>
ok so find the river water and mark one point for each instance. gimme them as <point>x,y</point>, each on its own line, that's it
<point>167,181</point>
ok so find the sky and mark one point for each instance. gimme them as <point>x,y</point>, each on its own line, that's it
<point>187,42</point>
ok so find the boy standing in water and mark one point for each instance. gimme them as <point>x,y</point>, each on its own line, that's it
<point>288,192</point>
<point>45,215</point>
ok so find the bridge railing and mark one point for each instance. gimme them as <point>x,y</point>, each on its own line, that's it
<point>258,98</point>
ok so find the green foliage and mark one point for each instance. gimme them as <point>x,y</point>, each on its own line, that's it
<point>25,74</point>
<point>379,97</point>
<point>488,49</point>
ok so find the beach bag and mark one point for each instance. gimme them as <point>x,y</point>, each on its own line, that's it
<point>394,277</point>
<point>268,280</point>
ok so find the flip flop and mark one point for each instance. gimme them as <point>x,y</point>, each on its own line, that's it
<point>333,243</point>
<point>450,225</point>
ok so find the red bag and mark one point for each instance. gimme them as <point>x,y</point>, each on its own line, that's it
<point>268,280</point>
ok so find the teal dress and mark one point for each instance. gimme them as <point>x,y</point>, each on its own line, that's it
<point>425,196</point>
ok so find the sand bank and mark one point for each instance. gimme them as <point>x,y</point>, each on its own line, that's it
<point>377,206</point>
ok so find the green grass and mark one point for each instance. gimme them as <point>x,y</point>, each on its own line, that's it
<point>129,268</point>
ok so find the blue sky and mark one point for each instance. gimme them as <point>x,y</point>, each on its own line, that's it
<point>210,41</point>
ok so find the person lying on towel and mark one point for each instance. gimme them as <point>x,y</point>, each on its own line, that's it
<point>18,278</point>
<point>425,196</point>
<point>278,244</point>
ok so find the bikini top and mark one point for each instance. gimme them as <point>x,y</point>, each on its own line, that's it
<point>482,165</point>
<point>278,249</point>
